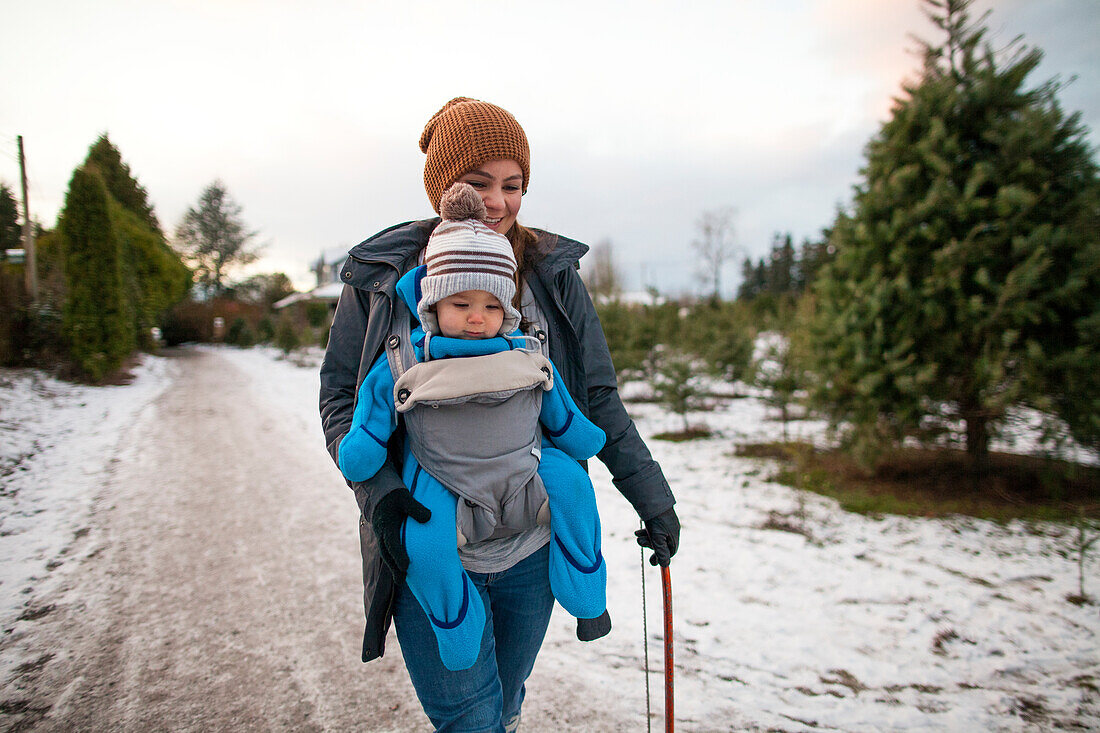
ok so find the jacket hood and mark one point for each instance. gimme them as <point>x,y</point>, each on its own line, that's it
<point>557,252</point>
<point>376,263</point>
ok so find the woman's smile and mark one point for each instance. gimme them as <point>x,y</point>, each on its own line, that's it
<point>499,183</point>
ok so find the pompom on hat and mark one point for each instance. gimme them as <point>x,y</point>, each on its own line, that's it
<point>464,134</point>
<point>465,254</point>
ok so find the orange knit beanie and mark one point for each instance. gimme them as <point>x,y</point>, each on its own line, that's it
<point>465,134</point>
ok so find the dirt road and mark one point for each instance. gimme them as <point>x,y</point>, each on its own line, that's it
<point>219,585</point>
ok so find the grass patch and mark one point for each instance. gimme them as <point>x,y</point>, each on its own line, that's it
<point>940,482</point>
<point>679,436</point>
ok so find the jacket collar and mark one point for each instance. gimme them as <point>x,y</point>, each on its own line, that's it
<point>377,262</point>
<point>557,253</point>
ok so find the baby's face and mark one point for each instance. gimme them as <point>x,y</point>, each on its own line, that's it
<point>471,314</point>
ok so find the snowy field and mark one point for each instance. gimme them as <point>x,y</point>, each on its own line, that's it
<point>857,624</point>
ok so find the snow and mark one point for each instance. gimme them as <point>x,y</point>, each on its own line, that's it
<point>57,450</point>
<point>852,623</point>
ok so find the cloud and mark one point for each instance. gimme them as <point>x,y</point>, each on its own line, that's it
<point>641,115</point>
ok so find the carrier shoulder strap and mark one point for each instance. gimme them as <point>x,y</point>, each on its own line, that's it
<point>534,316</point>
<point>399,350</point>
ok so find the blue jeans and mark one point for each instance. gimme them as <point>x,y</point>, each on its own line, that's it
<point>487,696</point>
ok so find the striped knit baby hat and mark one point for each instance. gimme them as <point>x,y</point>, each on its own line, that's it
<point>463,135</point>
<point>465,254</point>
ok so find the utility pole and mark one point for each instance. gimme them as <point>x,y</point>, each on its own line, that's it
<point>30,261</point>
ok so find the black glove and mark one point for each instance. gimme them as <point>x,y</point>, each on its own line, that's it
<point>389,514</point>
<point>662,535</point>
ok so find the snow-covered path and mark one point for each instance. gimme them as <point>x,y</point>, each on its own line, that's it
<point>206,576</point>
<point>217,588</point>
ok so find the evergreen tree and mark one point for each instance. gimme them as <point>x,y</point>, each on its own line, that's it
<point>754,279</point>
<point>98,319</point>
<point>622,329</point>
<point>778,373</point>
<point>153,273</point>
<point>240,333</point>
<point>812,256</point>
<point>155,277</point>
<point>721,334</point>
<point>265,289</point>
<point>287,337</point>
<point>785,271</point>
<point>745,289</point>
<point>214,238</point>
<point>966,277</point>
<point>10,231</point>
<point>120,182</point>
<point>675,381</point>
<point>781,266</point>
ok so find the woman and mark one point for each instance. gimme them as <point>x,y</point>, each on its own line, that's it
<point>483,145</point>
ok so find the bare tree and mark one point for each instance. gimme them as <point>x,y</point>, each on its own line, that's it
<point>715,245</point>
<point>602,277</point>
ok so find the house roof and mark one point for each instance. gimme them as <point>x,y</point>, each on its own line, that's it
<point>325,293</point>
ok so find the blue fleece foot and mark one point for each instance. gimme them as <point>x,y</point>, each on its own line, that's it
<point>459,639</point>
<point>436,576</point>
<point>578,574</point>
<point>580,589</point>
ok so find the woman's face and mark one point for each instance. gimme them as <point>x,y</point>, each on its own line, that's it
<point>500,185</point>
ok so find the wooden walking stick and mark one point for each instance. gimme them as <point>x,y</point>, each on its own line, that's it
<point>666,587</point>
<point>666,592</point>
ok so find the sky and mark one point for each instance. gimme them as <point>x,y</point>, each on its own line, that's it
<point>641,115</point>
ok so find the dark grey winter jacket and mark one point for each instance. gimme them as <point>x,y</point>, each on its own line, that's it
<point>577,348</point>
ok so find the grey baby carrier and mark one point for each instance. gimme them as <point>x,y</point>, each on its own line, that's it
<point>473,424</point>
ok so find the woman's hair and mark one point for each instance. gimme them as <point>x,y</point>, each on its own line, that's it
<point>525,247</point>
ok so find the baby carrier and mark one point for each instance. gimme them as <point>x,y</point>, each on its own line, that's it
<point>473,423</point>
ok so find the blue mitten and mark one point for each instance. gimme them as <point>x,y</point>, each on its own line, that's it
<point>567,428</point>
<point>363,450</point>
<point>435,574</point>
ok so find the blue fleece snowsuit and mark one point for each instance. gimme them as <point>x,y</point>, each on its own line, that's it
<point>578,575</point>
